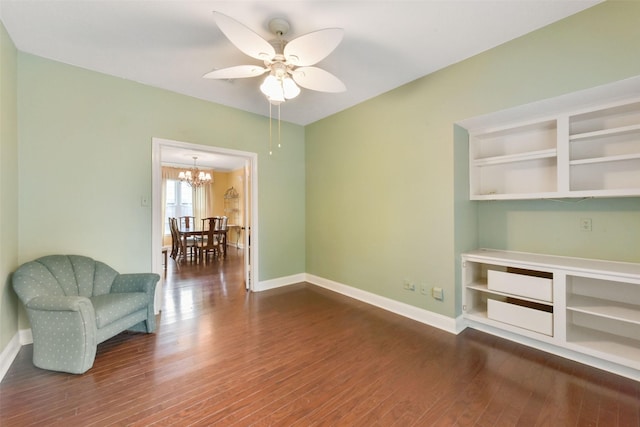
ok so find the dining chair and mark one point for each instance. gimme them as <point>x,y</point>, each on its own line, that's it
<point>207,241</point>
<point>187,222</point>
<point>175,238</point>
<point>222,237</point>
<point>185,246</point>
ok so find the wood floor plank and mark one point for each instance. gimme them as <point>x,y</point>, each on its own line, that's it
<point>305,356</point>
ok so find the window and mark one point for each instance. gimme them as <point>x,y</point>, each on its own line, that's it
<point>179,196</point>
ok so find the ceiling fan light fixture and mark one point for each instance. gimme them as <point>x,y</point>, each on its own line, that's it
<point>277,90</point>
<point>272,89</point>
<point>291,89</point>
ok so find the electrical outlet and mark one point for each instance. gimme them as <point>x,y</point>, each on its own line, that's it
<point>437,293</point>
<point>424,289</point>
<point>409,286</point>
<point>585,224</point>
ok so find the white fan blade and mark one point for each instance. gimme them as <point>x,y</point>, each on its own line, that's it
<point>312,48</point>
<point>237,72</point>
<point>318,79</point>
<point>243,38</point>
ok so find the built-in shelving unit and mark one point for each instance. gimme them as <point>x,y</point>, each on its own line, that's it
<point>589,151</point>
<point>604,151</point>
<point>515,160</point>
<point>501,295</point>
<point>585,306</point>
<point>604,316</point>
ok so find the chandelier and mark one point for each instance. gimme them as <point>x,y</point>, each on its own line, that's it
<point>194,176</point>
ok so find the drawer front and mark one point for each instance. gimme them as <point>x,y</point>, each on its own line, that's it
<point>521,285</point>
<point>523,317</point>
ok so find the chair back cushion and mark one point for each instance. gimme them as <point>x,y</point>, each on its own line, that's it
<point>63,275</point>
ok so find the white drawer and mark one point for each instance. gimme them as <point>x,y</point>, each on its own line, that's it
<point>538,288</point>
<point>523,317</point>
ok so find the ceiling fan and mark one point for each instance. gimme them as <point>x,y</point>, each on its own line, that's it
<point>288,63</point>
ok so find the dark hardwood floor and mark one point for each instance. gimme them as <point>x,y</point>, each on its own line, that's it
<point>302,356</point>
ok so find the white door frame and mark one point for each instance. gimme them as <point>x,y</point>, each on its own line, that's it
<point>251,160</point>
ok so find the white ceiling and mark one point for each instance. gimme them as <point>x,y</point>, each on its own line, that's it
<point>170,44</point>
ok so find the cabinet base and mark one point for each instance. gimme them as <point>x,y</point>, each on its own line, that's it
<point>575,356</point>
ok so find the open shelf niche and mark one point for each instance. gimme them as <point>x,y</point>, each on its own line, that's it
<point>585,144</point>
<point>584,306</point>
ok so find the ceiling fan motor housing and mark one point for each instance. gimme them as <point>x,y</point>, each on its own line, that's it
<point>279,26</point>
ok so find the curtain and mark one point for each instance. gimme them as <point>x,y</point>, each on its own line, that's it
<point>167,173</point>
<point>203,202</point>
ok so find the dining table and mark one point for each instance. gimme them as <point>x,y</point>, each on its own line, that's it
<point>186,232</point>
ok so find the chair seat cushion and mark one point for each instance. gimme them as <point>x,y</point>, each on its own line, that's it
<point>111,307</point>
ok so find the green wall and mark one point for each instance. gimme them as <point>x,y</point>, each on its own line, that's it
<point>388,177</point>
<point>85,162</point>
<point>553,227</point>
<point>8,187</point>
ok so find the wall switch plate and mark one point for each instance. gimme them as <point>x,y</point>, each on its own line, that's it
<point>409,286</point>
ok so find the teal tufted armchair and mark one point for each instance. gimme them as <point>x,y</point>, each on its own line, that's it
<point>74,303</point>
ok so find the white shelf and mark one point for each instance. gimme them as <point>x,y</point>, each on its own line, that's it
<point>606,176</point>
<point>621,270</point>
<point>629,313</point>
<point>519,157</point>
<point>618,192</point>
<point>518,196</point>
<point>621,350</point>
<point>484,288</point>
<point>477,315</point>
<point>623,157</point>
<point>481,319</point>
<point>605,132</point>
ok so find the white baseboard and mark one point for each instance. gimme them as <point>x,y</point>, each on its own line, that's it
<point>9,354</point>
<point>436,320</point>
<point>430,318</point>
<point>279,282</point>
<point>25,336</point>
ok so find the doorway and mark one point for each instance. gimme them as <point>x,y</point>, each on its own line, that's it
<point>248,161</point>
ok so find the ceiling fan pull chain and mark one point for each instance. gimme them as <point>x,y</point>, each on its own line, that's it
<point>270,131</point>
<point>279,132</point>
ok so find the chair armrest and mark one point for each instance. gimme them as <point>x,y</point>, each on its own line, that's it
<point>139,282</point>
<point>135,282</point>
<point>64,332</point>
<point>59,303</point>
